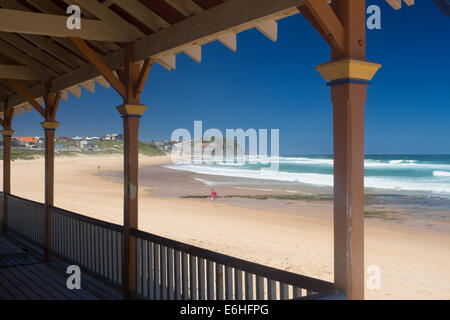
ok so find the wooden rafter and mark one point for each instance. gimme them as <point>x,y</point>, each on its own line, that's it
<point>52,101</point>
<point>143,76</point>
<point>164,10</point>
<point>328,23</point>
<point>43,57</point>
<point>142,13</point>
<point>186,7</point>
<point>23,58</point>
<point>24,93</point>
<point>312,20</point>
<point>100,66</point>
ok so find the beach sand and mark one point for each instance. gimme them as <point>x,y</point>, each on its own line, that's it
<point>291,235</point>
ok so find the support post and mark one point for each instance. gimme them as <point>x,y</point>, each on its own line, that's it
<point>49,129</point>
<point>51,100</point>
<point>7,133</point>
<point>129,84</point>
<point>49,125</point>
<point>348,74</point>
<point>131,115</point>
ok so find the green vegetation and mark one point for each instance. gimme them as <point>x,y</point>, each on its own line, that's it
<point>149,149</point>
<point>385,214</point>
<point>107,147</point>
<point>25,154</point>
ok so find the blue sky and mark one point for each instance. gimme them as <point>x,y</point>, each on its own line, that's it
<point>275,85</point>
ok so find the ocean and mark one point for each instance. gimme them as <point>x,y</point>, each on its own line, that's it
<point>424,175</point>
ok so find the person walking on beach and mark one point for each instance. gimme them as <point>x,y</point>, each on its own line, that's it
<point>213,196</point>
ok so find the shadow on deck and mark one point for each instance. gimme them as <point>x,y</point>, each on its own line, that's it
<point>25,275</point>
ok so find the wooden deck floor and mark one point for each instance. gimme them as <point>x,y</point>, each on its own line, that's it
<point>27,276</point>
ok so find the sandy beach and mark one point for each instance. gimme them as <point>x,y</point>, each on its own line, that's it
<point>290,235</point>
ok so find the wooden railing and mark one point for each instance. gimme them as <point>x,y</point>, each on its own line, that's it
<point>26,218</point>
<point>94,245</point>
<point>165,269</point>
<point>168,269</point>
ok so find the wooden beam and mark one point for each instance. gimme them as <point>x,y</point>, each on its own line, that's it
<point>312,20</point>
<point>22,91</point>
<point>19,73</point>
<point>100,66</point>
<point>109,18</point>
<point>328,21</point>
<point>53,25</point>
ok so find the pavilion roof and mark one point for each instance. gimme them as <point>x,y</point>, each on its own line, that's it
<point>36,51</point>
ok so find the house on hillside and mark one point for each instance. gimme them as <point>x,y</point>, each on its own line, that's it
<point>26,142</point>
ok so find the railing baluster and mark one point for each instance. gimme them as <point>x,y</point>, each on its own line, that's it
<point>163,273</point>
<point>297,292</point>
<point>193,277</point>
<point>228,283</point>
<point>151,268</point>
<point>284,291</point>
<point>248,286</point>
<point>219,281</point>
<point>114,256</point>
<point>210,279</point>
<point>178,289</point>
<point>139,275</point>
<point>91,247</point>
<point>104,247</point>
<point>144,268</point>
<point>170,276</point>
<point>110,253</point>
<point>238,293</point>
<point>201,279</point>
<point>259,288</point>
<point>185,276</point>
<point>157,274</point>
<point>272,289</point>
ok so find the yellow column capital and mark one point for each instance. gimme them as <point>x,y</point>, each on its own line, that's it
<point>348,69</point>
<point>50,124</point>
<point>8,132</point>
<point>131,109</point>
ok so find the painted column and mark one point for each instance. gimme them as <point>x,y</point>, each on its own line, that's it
<point>348,74</point>
<point>7,134</point>
<point>49,129</point>
<point>131,115</point>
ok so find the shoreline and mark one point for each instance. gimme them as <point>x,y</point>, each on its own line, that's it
<point>414,263</point>
<point>163,183</point>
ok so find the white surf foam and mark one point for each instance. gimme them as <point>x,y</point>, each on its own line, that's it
<point>391,183</point>
<point>441,173</point>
